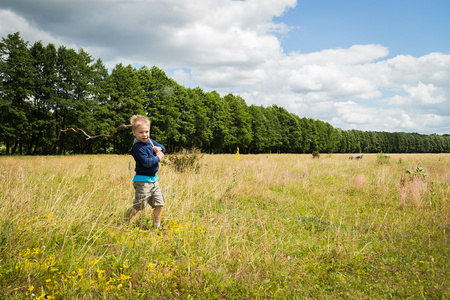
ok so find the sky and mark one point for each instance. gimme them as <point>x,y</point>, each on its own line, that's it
<point>370,65</point>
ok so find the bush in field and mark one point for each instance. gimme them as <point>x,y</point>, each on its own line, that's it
<point>418,171</point>
<point>383,159</point>
<point>184,160</point>
<point>316,154</point>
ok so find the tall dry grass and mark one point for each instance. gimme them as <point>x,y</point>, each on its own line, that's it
<point>244,226</point>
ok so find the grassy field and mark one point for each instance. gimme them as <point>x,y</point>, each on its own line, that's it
<point>243,227</point>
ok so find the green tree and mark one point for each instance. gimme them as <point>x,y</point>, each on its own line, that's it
<point>181,106</point>
<point>64,111</point>
<point>341,146</point>
<point>125,99</point>
<point>160,94</point>
<point>202,134</point>
<point>333,139</point>
<point>240,133</point>
<point>308,141</point>
<point>219,114</point>
<point>44,93</point>
<point>290,134</point>
<point>74,104</point>
<point>274,132</point>
<point>260,139</point>
<point>16,79</point>
<point>102,115</point>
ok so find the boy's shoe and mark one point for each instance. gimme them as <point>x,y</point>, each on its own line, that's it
<point>160,229</point>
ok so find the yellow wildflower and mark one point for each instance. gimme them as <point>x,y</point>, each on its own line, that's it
<point>25,253</point>
<point>36,251</point>
<point>124,277</point>
<point>100,273</point>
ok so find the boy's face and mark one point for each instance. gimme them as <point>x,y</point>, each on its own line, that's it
<point>142,133</point>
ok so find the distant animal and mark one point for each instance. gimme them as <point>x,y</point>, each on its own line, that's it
<point>356,156</point>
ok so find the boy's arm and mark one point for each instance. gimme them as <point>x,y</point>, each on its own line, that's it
<point>145,159</point>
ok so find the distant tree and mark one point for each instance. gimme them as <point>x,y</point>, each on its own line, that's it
<point>41,119</point>
<point>160,95</point>
<point>274,132</point>
<point>74,102</point>
<point>183,105</point>
<point>125,99</point>
<point>16,80</point>
<point>219,114</point>
<point>101,112</point>
<point>308,142</point>
<point>259,126</point>
<point>202,134</point>
<point>240,133</point>
<point>289,130</point>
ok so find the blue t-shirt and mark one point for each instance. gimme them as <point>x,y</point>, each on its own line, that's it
<point>143,178</point>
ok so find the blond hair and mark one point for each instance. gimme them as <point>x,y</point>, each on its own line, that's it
<point>138,120</point>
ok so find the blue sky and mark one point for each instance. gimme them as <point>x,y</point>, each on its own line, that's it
<point>413,27</point>
<point>371,65</point>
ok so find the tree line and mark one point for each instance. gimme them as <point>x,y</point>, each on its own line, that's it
<point>44,89</point>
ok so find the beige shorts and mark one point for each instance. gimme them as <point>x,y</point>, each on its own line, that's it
<point>147,193</point>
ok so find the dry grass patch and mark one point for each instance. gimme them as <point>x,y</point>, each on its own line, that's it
<point>247,226</point>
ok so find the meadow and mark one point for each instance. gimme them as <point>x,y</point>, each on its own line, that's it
<point>272,226</point>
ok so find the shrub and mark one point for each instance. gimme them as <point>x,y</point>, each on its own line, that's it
<point>184,160</point>
<point>383,159</point>
<point>418,171</point>
<point>316,154</point>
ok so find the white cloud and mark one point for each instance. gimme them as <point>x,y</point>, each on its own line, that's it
<point>404,93</point>
<point>181,77</point>
<point>425,94</point>
<point>11,23</point>
<point>355,116</point>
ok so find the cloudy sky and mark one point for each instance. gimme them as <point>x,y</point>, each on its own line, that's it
<point>379,65</point>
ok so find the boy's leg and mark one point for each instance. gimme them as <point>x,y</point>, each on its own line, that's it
<point>129,214</point>
<point>141,190</point>
<point>157,202</point>
<point>157,212</point>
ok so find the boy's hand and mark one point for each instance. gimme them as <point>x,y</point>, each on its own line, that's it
<point>160,154</point>
<point>157,149</point>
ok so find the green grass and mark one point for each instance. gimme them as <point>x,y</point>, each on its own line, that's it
<point>243,227</point>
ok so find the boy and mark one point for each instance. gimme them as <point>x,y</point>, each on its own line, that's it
<point>147,153</point>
